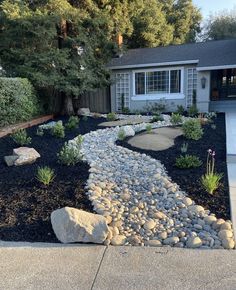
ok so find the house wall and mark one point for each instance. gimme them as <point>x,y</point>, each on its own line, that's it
<point>203,94</point>
<point>137,104</point>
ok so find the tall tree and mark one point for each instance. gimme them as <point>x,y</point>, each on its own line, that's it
<point>220,26</point>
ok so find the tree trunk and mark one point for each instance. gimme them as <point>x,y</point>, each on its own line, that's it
<point>67,108</point>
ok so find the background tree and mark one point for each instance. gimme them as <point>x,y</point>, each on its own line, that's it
<point>220,26</point>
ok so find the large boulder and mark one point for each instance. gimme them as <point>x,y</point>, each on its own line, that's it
<point>129,131</point>
<point>84,111</point>
<point>25,155</point>
<point>73,225</point>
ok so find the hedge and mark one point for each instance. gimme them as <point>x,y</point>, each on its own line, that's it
<point>18,101</point>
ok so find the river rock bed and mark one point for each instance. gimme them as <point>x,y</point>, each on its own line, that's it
<point>140,202</point>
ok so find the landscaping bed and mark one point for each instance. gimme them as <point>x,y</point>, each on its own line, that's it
<point>25,204</point>
<point>189,179</point>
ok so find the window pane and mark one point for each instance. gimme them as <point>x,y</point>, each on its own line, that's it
<point>157,82</point>
<point>175,81</point>
<point>140,83</point>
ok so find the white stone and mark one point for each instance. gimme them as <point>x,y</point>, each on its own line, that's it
<point>25,155</point>
<point>228,243</point>
<point>128,131</point>
<point>73,225</point>
<point>210,219</point>
<point>187,201</point>
<point>225,234</point>
<point>171,241</point>
<point>83,111</point>
<point>153,243</point>
<point>149,225</point>
<point>194,242</point>
<point>118,240</point>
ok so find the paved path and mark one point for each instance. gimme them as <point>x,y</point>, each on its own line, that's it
<point>231,162</point>
<point>83,267</point>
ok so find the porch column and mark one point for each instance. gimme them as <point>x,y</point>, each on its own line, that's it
<point>203,94</point>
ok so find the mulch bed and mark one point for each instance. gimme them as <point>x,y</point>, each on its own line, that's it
<point>25,204</point>
<point>189,179</point>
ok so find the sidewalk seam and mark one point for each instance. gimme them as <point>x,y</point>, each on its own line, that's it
<point>94,280</point>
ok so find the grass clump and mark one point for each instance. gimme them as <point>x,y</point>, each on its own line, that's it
<point>70,153</point>
<point>192,129</point>
<point>111,117</point>
<point>45,175</point>
<point>187,161</point>
<point>175,118</point>
<point>156,118</point>
<point>72,123</point>
<point>21,138</point>
<point>121,134</point>
<point>148,128</point>
<point>58,130</point>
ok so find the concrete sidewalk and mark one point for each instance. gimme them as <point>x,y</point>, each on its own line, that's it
<point>83,267</point>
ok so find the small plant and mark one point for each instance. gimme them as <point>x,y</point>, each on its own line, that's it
<point>72,123</point>
<point>121,134</point>
<point>157,118</point>
<point>184,148</point>
<point>111,117</point>
<point>20,137</point>
<point>70,153</point>
<point>211,180</point>
<point>188,161</point>
<point>45,175</point>
<point>58,130</point>
<point>180,109</point>
<point>193,111</point>
<point>192,129</point>
<point>40,132</point>
<point>175,118</point>
<point>149,128</point>
<point>213,126</point>
<point>125,110</point>
<point>157,108</point>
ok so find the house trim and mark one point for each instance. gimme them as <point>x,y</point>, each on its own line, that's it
<point>216,67</point>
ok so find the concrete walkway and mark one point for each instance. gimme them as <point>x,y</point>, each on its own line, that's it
<point>83,267</point>
<point>230,118</point>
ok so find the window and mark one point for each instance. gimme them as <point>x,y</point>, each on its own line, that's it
<point>158,82</point>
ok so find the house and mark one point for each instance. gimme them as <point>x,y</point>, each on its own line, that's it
<point>176,73</point>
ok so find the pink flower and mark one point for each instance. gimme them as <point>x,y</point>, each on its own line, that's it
<point>213,153</point>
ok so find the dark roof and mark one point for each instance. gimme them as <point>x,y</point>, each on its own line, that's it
<point>206,54</point>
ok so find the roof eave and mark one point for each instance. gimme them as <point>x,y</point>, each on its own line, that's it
<point>215,67</point>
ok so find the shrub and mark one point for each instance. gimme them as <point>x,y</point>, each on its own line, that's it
<point>193,111</point>
<point>157,108</point>
<point>18,101</point>
<point>111,117</point>
<point>40,132</point>
<point>156,118</point>
<point>45,175</point>
<point>72,123</point>
<point>192,129</point>
<point>184,147</point>
<point>58,130</point>
<point>188,161</point>
<point>149,128</point>
<point>20,137</point>
<point>180,109</point>
<point>125,110</point>
<point>70,153</point>
<point>211,180</point>
<point>121,134</point>
<point>175,118</point>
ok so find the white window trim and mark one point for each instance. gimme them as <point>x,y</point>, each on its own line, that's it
<point>168,96</point>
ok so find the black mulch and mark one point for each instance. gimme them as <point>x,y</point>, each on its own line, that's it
<point>189,179</point>
<point>26,205</point>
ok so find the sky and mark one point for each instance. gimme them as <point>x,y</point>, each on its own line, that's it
<point>214,6</point>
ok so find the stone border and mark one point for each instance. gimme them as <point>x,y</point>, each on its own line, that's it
<point>10,129</point>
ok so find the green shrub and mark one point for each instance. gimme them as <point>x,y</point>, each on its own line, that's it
<point>45,175</point>
<point>180,109</point>
<point>70,153</point>
<point>58,130</point>
<point>18,101</point>
<point>193,111</point>
<point>72,123</point>
<point>156,118</point>
<point>121,134</point>
<point>192,129</point>
<point>20,137</point>
<point>149,128</point>
<point>184,147</point>
<point>157,107</point>
<point>175,118</point>
<point>187,161</point>
<point>125,110</point>
<point>111,117</point>
<point>40,132</point>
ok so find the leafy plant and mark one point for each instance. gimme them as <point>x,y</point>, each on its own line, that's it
<point>20,137</point>
<point>211,180</point>
<point>180,109</point>
<point>156,118</point>
<point>149,128</point>
<point>45,175</point>
<point>192,129</point>
<point>188,161</point>
<point>157,107</point>
<point>58,130</point>
<point>121,134</point>
<point>175,118</point>
<point>72,123</point>
<point>125,110</point>
<point>184,147</point>
<point>70,153</point>
<point>111,117</point>
<point>193,111</point>
<point>40,132</point>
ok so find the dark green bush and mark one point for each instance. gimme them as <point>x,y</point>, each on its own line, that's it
<point>18,101</point>
<point>111,117</point>
<point>193,111</point>
<point>20,137</point>
<point>192,129</point>
<point>156,118</point>
<point>187,161</point>
<point>58,130</point>
<point>72,123</point>
<point>180,109</point>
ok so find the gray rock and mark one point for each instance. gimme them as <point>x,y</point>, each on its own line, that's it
<point>25,155</point>
<point>83,111</point>
<point>194,242</point>
<point>10,160</point>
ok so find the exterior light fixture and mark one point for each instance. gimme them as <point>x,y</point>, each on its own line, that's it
<point>203,82</point>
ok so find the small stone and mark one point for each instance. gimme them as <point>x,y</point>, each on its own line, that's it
<point>134,240</point>
<point>153,243</point>
<point>125,196</point>
<point>228,243</point>
<point>225,234</point>
<point>118,240</point>
<point>196,209</point>
<point>163,235</point>
<point>210,219</point>
<point>10,160</point>
<point>226,226</point>
<point>217,224</point>
<point>149,225</point>
<point>171,241</point>
<point>187,201</point>
<point>194,242</point>
<point>108,219</point>
<point>159,215</point>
